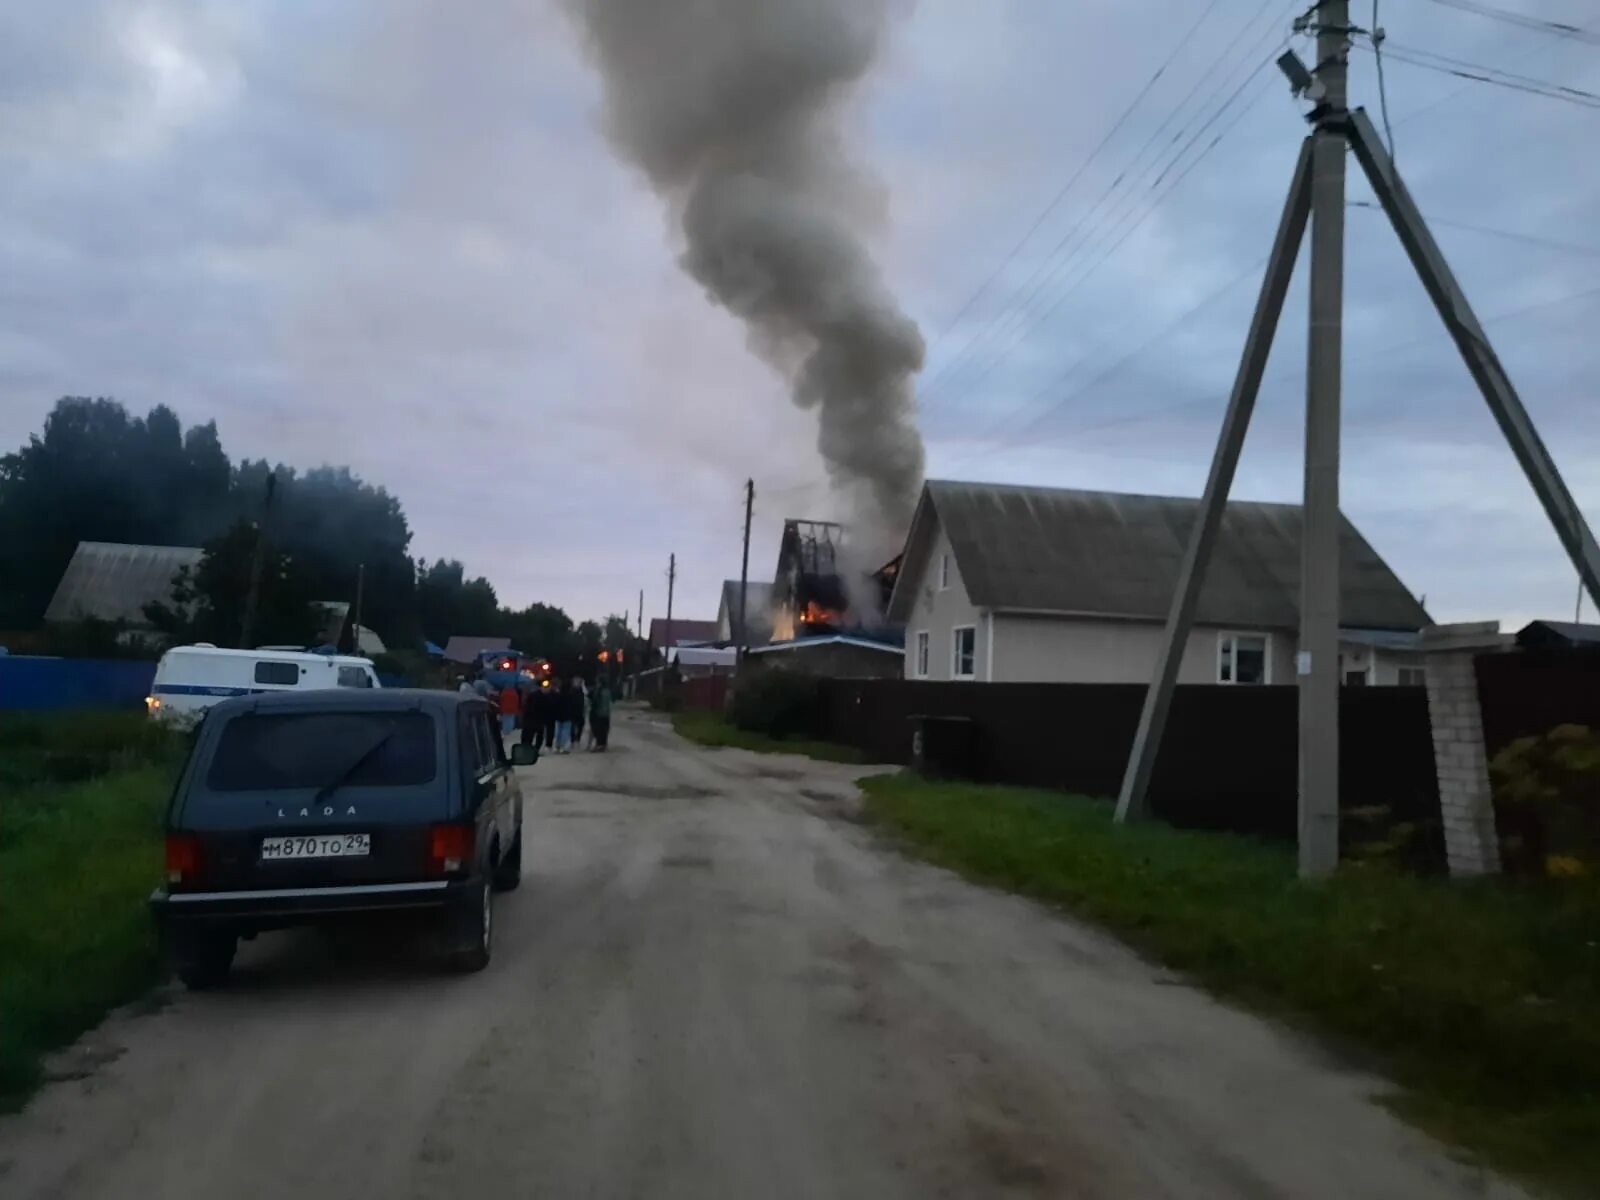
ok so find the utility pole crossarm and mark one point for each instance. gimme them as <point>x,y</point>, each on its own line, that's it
<point>1485,366</point>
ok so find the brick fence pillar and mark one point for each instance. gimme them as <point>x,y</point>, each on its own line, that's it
<point>1461,763</point>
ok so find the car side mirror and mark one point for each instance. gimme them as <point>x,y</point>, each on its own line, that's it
<point>524,755</point>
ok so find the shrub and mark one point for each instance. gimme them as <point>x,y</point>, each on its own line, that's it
<point>1547,801</point>
<point>780,704</point>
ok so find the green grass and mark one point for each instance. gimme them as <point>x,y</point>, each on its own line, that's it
<point>710,729</point>
<point>1481,1001</point>
<point>77,861</point>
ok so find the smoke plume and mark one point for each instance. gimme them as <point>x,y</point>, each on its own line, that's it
<point>733,109</point>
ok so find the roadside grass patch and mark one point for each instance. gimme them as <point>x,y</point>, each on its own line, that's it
<point>1481,1000</point>
<point>77,861</point>
<point>710,729</point>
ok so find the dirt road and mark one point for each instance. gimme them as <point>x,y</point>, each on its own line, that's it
<point>713,983</point>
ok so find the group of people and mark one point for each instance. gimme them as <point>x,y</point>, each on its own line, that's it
<point>554,715</point>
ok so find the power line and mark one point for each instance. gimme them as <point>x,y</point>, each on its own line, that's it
<point>1376,35</point>
<point>1522,20</point>
<point>1011,437</point>
<point>1007,322</point>
<point>1050,208</point>
<point>1394,347</point>
<point>1491,231</point>
<point>1479,73</point>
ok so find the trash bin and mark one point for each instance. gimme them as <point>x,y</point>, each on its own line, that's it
<point>944,747</point>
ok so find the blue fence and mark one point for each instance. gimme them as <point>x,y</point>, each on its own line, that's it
<point>33,684</point>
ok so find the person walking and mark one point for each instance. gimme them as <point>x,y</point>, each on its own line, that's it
<point>600,715</point>
<point>580,711</point>
<point>532,721</point>
<point>549,710</point>
<point>563,706</point>
<point>510,708</point>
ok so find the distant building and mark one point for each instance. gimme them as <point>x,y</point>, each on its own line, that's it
<point>1565,634</point>
<point>681,632</point>
<point>465,650</point>
<point>1030,584</point>
<point>113,581</point>
<point>758,610</point>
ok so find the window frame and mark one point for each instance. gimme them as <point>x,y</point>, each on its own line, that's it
<point>944,571</point>
<point>1400,676</point>
<point>1229,638</point>
<point>921,653</point>
<point>255,673</point>
<point>955,652</point>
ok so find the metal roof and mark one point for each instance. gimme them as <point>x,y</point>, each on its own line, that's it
<point>685,632</point>
<point>1068,551</point>
<point>758,609</point>
<point>1559,632</point>
<point>834,639</point>
<point>113,581</point>
<point>465,650</point>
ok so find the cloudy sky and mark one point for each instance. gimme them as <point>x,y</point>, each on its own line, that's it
<point>389,234</point>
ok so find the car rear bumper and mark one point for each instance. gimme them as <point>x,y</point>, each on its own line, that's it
<point>288,906</point>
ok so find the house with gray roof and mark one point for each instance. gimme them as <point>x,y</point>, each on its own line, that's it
<point>758,613</point>
<point>113,581</point>
<point>1004,583</point>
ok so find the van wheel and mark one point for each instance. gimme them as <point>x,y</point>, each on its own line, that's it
<point>472,927</point>
<point>509,873</point>
<point>203,958</point>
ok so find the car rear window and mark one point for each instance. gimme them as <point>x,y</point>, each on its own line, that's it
<point>285,751</point>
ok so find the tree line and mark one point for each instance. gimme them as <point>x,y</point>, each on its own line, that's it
<point>99,473</point>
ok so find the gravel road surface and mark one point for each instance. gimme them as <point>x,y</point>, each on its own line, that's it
<point>714,982</point>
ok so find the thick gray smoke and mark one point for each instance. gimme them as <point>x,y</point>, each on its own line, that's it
<point>733,110</point>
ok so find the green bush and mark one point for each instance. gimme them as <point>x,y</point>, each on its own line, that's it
<point>1547,800</point>
<point>73,746</point>
<point>780,704</point>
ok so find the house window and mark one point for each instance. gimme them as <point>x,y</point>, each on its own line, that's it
<point>1356,678</point>
<point>919,666</point>
<point>944,572</point>
<point>1413,677</point>
<point>1242,658</point>
<point>964,652</point>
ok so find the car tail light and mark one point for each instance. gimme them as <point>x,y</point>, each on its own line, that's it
<point>449,848</point>
<point>183,857</point>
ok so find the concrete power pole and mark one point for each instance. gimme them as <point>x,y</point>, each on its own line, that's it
<point>1317,665</point>
<point>252,596</point>
<point>641,612</point>
<point>672,579</point>
<point>744,567</point>
<point>1317,191</point>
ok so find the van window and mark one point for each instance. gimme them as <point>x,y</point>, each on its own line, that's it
<point>279,673</point>
<point>354,677</point>
<point>264,752</point>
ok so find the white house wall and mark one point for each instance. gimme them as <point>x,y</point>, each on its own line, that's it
<point>940,612</point>
<point>1054,649</point>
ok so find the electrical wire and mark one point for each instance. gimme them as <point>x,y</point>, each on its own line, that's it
<point>1479,73</point>
<point>1491,231</point>
<point>1012,322</point>
<point>1006,437</point>
<point>1055,202</point>
<point>1376,34</point>
<point>1523,20</point>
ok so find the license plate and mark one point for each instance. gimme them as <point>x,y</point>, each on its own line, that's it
<point>336,845</point>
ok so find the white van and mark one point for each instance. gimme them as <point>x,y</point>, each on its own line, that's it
<point>190,679</point>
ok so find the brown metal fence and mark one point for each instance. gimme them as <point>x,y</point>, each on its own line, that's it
<point>1228,761</point>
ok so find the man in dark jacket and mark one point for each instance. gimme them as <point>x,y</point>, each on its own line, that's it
<point>600,714</point>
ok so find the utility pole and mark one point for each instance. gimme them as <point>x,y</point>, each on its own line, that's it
<point>672,579</point>
<point>1317,665</point>
<point>744,565</point>
<point>641,612</point>
<point>252,596</point>
<point>1318,188</point>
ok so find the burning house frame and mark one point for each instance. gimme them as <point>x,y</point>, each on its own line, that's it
<point>812,593</point>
